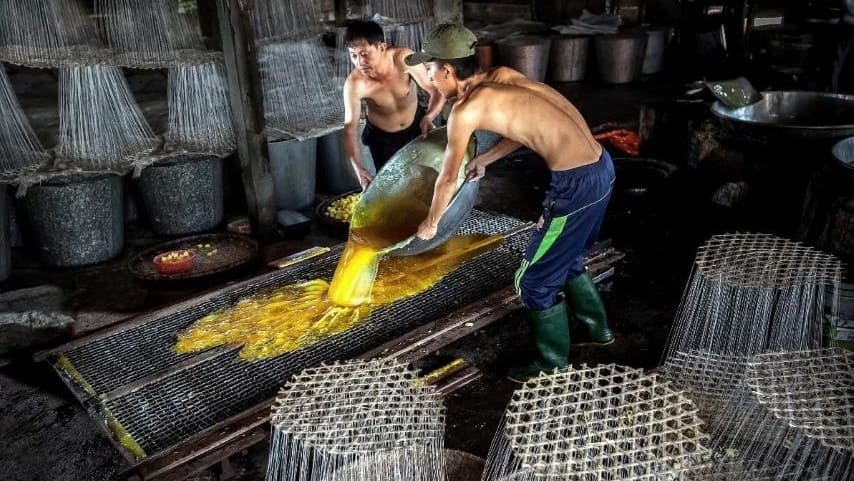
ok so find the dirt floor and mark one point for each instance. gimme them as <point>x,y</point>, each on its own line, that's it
<point>48,436</point>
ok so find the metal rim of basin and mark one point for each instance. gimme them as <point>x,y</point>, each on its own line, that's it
<point>731,114</point>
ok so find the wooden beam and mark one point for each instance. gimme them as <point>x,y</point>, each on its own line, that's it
<point>238,46</point>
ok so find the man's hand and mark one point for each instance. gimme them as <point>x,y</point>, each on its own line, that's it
<point>364,176</point>
<point>426,231</point>
<point>426,126</point>
<point>475,170</point>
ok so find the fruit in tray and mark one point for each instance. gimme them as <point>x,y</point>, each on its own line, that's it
<point>342,209</point>
<point>173,262</point>
<point>176,256</point>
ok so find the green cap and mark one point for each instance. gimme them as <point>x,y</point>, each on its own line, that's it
<point>446,41</point>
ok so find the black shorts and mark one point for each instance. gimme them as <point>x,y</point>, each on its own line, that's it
<point>384,144</point>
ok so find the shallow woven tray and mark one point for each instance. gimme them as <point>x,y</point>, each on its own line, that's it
<point>336,225</point>
<point>232,250</point>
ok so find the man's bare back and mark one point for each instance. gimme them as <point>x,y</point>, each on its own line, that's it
<point>506,102</point>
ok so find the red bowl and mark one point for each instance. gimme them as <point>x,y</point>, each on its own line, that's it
<point>174,267</point>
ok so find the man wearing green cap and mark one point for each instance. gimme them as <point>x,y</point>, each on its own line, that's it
<point>532,114</point>
<point>386,85</point>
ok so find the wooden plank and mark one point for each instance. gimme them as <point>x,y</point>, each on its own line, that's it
<point>245,98</point>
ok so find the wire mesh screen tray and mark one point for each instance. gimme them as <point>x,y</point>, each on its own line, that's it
<point>152,398</point>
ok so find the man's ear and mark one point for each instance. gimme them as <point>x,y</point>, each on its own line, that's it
<point>381,47</point>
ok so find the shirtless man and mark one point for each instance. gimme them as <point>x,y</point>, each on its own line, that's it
<point>385,83</point>
<point>532,114</point>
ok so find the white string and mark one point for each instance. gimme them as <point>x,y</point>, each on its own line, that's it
<point>402,10</point>
<point>100,125</point>
<point>200,119</point>
<point>300,99</point>
<point>20,150</point>
<point>48,33</point>
<point>285,19</point>
<point>151,33</point>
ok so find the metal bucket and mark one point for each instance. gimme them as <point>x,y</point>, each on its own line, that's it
<point>527,54</point>
<point>76,221</point>
<point>484,52</point>
<point>619,57</point>
<point>335,174</point>
<point>293,165</point>
<point>183,195</point>
<point>843,152</point>
<point>5,236</point>
<point>568,58</point>
<point>402,191</point>
<point>656,45</point>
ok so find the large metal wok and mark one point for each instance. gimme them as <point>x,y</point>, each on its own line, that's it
<point>791,115</point>
<point>399,197</point>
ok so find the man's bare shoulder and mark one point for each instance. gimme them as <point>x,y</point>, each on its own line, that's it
<point>399,54</point>
<point>357,81</point>
<point>505,75</point>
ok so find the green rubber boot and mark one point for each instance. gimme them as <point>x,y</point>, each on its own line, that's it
<point>551,336</point>
<point>583,297</point>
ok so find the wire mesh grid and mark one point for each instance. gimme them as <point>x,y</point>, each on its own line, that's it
<point>754,293</point>
<point>357,407</point>
<point>605,422</point>
<point>764,260</point>
<point>809,390</point>
<point>707,378</point>
<point>173,407</point>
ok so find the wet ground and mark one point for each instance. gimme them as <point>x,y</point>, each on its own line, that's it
<point>48,436</point>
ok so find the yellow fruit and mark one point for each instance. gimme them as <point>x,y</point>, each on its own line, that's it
<point>342,209</point>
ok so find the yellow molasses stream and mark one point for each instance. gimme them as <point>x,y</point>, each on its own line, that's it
<point>298,315</point>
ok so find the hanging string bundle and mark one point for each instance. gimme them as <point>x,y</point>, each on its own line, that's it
<point>200,119</point>
<point>47,33</point>
<point>409,35</point>
<point>401,11</point>
<point>20,150</point>
<point>299,95</point>
<point>151,34</point>
<point>101,128</point>
<point>276,20</point>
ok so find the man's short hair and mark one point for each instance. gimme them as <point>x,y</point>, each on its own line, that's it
<point>465,67</point>
<point>368,31</point>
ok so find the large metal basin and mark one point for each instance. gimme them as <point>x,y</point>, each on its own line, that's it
<point>792,115</point>
<point>399,197</point>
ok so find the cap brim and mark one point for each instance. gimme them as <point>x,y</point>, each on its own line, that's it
<point>417,58</point>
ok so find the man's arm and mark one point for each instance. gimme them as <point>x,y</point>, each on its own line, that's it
<point>460,130</point>
<point>352,114</point>
<point>437,100</point>
<point>477,167</point>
